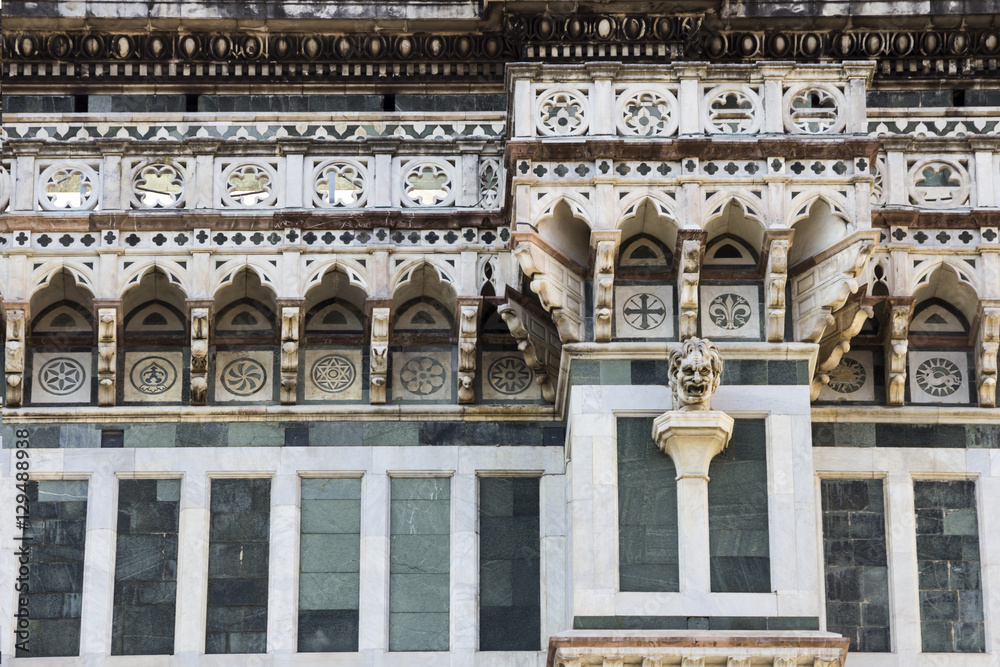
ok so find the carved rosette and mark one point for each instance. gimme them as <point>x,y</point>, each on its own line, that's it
<point>986,356</point>
<point>107,346</point>
<point>289,354</point>
<point>895,351</point>
<point>379,361</point>
<point>777,275</point>
<point>14,357</point>
<point>687,288</point>
<point>468,329</point>
<point>199,356</point>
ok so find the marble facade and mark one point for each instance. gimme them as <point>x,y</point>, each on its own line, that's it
<point>338,333</point>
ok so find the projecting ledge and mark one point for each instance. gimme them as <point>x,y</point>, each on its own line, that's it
<point>584,648</point>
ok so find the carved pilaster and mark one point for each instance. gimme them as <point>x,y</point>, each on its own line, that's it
<point>988,342</point>
<point>379,358</point>
<point>468,329</point>
<point>289,354</point>
<point>604,286</point>
<point>688,276</point>
<point>777,276</point>
<point>14,357</point>
<point>107,355</point>
<point>199,356</point>
<point>895,350</point>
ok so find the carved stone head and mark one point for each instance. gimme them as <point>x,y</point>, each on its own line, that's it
<point>695,372</point>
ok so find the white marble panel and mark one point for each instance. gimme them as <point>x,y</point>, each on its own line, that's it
<point>938,377</point>
<point>505,376</point>
<point>421,376</point>
<point>244,376</point>
<point>332,375</point>
<point>154,377</point>
<point>61,377</point>
<point>730,311</point>
<point>853,379</point>
<point>644,311</point>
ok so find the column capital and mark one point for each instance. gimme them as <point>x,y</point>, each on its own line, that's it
<point>692,438</point>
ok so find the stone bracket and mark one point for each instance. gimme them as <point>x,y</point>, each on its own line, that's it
<point>468,330</point>
<point>107,355</point>
<point>289,354</point>
<point>896,344</point>
<point>199,356</point>
<point>379,359</point>
<point>14,356</point>
<point>604,282</point>
<point>776,277</point>
<point>988,344</point>
<point>688,277</point>
<point>837,342</point>
<point>540,355</point>
<point>559,287</point>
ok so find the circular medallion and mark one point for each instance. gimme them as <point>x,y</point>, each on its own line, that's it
<point>644,311</point>
<point>422,376</point>
<point>848,377</point>
<point>509,375</point>
<point>939,377</point>
<point>153,375</point>
<point>62,376</point>
<point>332,373</point>
<point>730,311</point>
<point>243,376</point>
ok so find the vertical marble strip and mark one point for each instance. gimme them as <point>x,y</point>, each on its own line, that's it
<point>192,567</point>
<point>464,567</point>
<point>374,613</point>
<point>904,601</point>
<point>283,558</point>
<point>99,565</point>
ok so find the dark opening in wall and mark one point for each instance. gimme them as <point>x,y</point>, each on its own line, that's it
<point>958,98</point>
<point>191,103</point>
<point>80,104</point>
<point>112,439</point>
<point>388,103</point>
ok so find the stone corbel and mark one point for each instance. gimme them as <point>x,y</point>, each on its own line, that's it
<point>468,330</point>
<point>848,322</point>
<point>379,357</point>
<point>693,661</point>
<point>896,345</point>
<point>988,342</point>
<point>559,287</point>
<point>734,661</point>
<point>613,661</point>
<point>776,276</point>
<point>532,356</point>
<point>107,355</point>
<point>604,282</point>
<point>688,276</point>
<point>14,356</point>
<point>199,355</point>
<point>289,354</point>
<point>824,287</point>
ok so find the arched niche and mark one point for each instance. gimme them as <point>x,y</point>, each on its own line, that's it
<point>334,309</point>
<point>566,233</point>
<point>154,311</point>
<point>648,237</point>
<point>62,313</point>
<point>818,230</point>
<point>245,311</point>
<point>734,223</point>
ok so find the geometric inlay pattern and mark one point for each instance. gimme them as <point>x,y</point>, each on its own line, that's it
<point>154,377</point>
<point>644,311</point>
<point>507,378</point>
<point>852,380</point>
<point>332,375</point>
<point>421,376</point>
<point>61,377</point>
<point>938,377</point>
<point>730,311</point>
<point>244,376</point>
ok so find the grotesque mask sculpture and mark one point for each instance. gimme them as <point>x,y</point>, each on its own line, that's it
<point>695,372</point>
